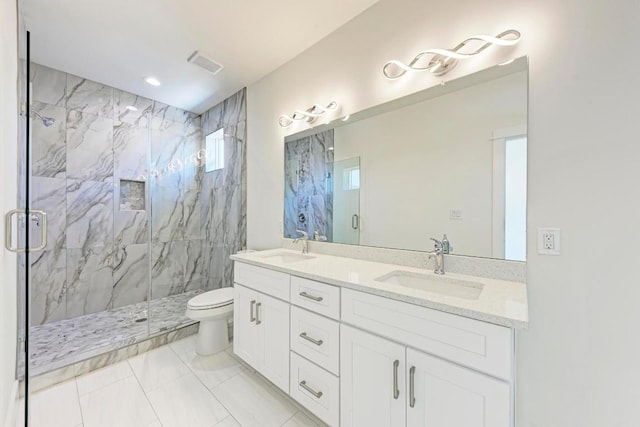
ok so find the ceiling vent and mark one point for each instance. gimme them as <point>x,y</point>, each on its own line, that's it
<point>205,62</point>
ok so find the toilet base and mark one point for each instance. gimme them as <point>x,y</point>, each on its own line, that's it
<point>213,336</point>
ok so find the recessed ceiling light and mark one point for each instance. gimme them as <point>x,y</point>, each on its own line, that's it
<point>152,81</point>
<point>131,108</point>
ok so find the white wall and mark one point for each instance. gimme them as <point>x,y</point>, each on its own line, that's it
<point>578,361</point>
<point>417,165</point>
<point>8,195</point>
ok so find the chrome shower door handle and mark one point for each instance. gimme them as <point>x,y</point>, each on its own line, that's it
<point>355,221</point>
<point>41,222</point>
<point>8,231</point>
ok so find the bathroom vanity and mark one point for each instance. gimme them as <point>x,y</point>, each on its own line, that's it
<point>361,343</point>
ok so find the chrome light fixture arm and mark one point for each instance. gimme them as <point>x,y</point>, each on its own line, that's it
<point>444,60</point>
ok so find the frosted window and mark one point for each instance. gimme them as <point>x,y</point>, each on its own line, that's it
<point>215,151</point>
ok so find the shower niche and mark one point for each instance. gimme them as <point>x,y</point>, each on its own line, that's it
<point>132,195</point>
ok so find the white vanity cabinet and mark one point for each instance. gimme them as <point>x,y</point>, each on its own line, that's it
<point>372,382</point>
<point>443,394</point>
<point>409,372</point>
<point>384,383</point>
<point>261,323</point>
<point>355,359</point>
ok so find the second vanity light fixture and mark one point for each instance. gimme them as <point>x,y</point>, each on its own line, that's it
<point>308,115</point>
<point>444,60</point>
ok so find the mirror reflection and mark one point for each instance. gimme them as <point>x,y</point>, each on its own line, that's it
<point>448,160</point>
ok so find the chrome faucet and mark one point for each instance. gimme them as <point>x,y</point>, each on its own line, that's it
<point>304,239</point>
<point>438,255</point>
<point>319,237</point>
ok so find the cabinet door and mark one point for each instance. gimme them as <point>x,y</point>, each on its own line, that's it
<point>448,395</point>
<point>273,323</point>
<point>245,333</point>
<point>372,381</point>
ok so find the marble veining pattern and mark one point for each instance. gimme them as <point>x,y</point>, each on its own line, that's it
<point>89,213</point>
<point>308,197</point>
<point>69,341</point>
<point>97,260</point>
<point>48,85</point>
<point>89,97</point>
<point>89,147</point>
<point>48,143</point>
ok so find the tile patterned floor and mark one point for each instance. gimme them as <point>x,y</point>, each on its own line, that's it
<point>170,386</point>
<point>57,344</point>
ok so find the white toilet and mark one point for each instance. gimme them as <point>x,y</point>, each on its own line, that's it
<point>213,310</point>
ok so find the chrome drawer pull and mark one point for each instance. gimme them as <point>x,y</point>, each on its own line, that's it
<point>317,394</point>
<point>308,338</point>
<point>258,320</point>
<point>312,297</point>
<point>396,390</point>
<point>252,317</point>
<point>412,387</point>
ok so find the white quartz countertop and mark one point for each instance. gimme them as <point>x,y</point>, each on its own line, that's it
<point>501,302</point>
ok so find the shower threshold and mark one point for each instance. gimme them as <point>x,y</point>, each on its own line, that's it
<point>58,344</point>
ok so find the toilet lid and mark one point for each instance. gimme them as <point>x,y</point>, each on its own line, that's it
<point>212,299</point>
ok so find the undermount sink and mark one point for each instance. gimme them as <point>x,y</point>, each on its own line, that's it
<point>288,257</point>
<point>439,284</point>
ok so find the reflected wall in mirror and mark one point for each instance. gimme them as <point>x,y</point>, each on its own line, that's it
<point>450,159</point>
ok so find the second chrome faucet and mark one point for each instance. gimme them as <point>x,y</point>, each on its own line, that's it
<point>304,239</point>
<point>441,247</point>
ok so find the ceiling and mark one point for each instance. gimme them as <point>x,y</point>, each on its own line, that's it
<point>120,42</point>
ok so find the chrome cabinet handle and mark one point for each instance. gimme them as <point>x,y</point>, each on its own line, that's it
<point>317,394</point>
<point>311,297</point>
<point>9,230</point>
<point>308,338</point>
<point>258,320</point>
<point>252,317</point>
<point>396,390</point>
<point>412,396</point>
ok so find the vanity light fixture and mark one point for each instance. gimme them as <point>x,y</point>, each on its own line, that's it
<point>308,115</point>
<point>444,60</point>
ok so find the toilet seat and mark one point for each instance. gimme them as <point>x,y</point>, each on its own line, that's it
<point>212,299</point>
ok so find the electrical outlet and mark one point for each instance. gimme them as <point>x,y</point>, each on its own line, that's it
<point>549,241</point>
<point>455,214</point>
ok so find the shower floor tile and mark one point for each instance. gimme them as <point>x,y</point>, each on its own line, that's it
<point>58,344</point>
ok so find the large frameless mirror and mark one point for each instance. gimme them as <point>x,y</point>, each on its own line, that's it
<point>451,159</point>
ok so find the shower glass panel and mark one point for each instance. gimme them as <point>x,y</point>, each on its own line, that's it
<point>177,168</point>
<point>89,285</point>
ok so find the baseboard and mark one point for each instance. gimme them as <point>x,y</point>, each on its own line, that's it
<point>14,407</point>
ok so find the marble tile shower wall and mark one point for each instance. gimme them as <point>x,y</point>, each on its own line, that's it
<point>224,193</point>
<point>97,256</point>
<point>308,192</point>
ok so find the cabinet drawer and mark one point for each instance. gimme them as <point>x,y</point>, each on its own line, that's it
<point>478,345</point>
<point>316,296</point>
<point>267,281</point>
<point>316,338</point>
<point>316,389</point>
